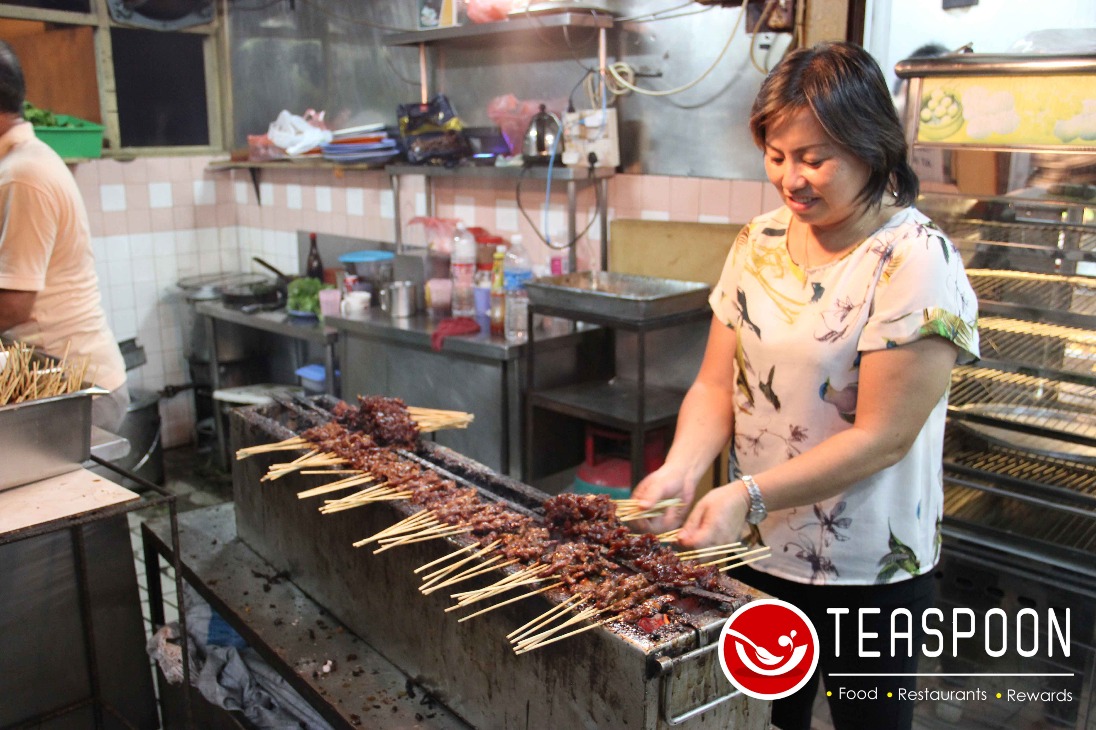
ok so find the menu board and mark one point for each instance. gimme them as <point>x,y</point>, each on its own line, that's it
<point>1004,111</point>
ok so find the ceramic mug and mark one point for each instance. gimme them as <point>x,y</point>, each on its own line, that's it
<point>355,303</point>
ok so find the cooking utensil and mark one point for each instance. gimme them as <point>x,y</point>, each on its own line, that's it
<point>398,299</point>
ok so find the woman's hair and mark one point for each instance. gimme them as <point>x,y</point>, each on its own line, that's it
<point>845,89</point>
<point>13,88</point>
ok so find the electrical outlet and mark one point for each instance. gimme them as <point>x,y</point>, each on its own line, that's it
<point>780,19</point>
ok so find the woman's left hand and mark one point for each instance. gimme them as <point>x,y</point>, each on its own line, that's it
<point>719,518</point>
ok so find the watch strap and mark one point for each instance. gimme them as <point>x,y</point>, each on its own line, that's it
<point>758,512</point>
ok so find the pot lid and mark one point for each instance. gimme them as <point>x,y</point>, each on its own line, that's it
<point>366,257</point>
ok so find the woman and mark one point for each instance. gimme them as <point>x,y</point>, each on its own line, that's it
<point>837,320</point>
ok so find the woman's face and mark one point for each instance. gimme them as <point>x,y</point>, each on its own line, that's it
<point>819,179</point>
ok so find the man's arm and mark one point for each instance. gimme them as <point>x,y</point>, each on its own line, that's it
<point>15,307</point>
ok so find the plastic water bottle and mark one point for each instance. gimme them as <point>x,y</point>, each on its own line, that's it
<point>462,271</point>
<point>516,271</point>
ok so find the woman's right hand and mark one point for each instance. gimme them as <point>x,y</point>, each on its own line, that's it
<point>666,482</point>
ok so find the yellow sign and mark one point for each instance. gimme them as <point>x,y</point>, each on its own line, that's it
<point>1047,111</point>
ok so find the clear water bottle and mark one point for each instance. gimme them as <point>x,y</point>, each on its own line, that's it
<point>462,271</point>
<point>516,271</point>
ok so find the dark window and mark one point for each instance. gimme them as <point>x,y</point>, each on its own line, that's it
<point>160,78</point>
<point>75,6</point>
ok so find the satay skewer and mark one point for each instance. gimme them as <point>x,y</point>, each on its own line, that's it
<point>407,524</point>
<point>554,639</point>
<point>739,564</point>
<point>354,481</point>
<point>532,625</point>
<point>294,442</point>
<point>710,550</point>
<point>433,534</point>
<point>483,568</point>
<point>737,556</point>
<point>440,574</point>
<point>445,557</point>
<point>523,596</point>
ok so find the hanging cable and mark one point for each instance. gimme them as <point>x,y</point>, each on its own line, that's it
<point>766,11</point>
<point>615,73</point>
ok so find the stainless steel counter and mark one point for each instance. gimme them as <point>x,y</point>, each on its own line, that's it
<point>477,374</point>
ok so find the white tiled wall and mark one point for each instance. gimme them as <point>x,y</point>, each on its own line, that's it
<point>157,221</point>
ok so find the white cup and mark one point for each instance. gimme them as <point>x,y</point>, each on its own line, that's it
<point>355,302</point>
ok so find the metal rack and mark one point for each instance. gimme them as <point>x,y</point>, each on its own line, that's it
<point>1019,455</point>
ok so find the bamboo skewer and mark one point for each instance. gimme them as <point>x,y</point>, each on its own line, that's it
<point>378,493</point>
<point>528,648</point>
<point>711,550</point>
<point>295,442</point>
<point>27,376</point>
<point>443,558</point>
<point>353,481</point>
<point>434,534</point>
<point>725,568</point>
<point>668,536</point>
<point>407,524</point>
<point>432,419</point>
<point>530,626</point>
<point>484,567</point>
<point>582,615</point>
<point>519,578</point>
<point>737,556</point>
<point>630,509</point>
<point>493,606</point>
<point>440,574</point>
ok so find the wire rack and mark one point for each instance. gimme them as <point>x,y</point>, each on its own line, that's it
<point>1042,294</point>
<point>1002,517</point>
<point>1047,349</point>
<point>1055,237</point>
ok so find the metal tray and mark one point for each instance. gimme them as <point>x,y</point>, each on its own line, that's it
<point>1082,424</point>
<point>45,437</point>
<point>618,296</point>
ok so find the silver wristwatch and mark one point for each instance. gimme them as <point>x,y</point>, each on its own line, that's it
<point>757,511</point>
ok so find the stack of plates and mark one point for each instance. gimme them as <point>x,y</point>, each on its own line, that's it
<point>367,143</point>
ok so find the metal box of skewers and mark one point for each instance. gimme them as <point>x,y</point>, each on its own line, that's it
<point>41,437</point>
<point>612,676</point>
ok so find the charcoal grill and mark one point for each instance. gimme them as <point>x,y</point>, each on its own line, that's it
<point>611,677</point>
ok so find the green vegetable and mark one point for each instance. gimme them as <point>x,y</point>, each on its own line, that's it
<point>304,295</point>
<point>41,117</point>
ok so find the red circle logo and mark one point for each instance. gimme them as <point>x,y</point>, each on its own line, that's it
<point>768,649</point>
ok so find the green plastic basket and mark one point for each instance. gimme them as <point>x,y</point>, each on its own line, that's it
<point>81,140</point>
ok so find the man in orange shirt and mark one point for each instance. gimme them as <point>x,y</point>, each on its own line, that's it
<point>49,293</point>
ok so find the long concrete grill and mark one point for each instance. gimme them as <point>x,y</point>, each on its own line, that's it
<point>610,677</point>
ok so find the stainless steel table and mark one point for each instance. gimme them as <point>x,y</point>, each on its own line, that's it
<point>276,322</point>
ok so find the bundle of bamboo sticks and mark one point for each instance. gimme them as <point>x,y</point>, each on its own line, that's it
<point>25,376</point>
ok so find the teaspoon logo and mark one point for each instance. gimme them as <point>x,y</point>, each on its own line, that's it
<point>768,649</point>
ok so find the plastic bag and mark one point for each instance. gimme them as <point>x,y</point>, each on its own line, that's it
<point>296,134</point>
<point>488,11</point>
<point>432,133</point>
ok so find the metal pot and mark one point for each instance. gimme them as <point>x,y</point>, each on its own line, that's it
<point>233,341</point>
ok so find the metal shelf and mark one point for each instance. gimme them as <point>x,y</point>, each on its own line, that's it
<point>612,403</point>
<point>559,172</point>
<point>1047,350</point>
<point>1039,407</point>
<point>1015,527</point>
<point>1055,298</point>
<point>515,24</point>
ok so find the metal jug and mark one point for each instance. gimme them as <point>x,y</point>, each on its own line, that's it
<point>543,143</point>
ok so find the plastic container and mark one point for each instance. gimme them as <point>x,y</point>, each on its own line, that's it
<point>462,270</point>
<point>80,139</point>
<point>516,271</point>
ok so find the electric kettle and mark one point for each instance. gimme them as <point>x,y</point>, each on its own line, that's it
<point>543,143</point>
